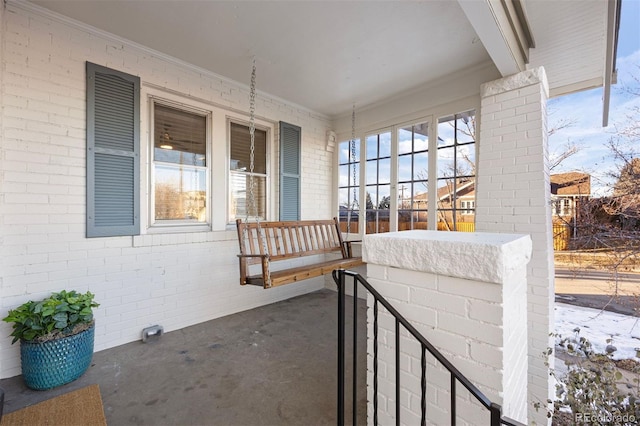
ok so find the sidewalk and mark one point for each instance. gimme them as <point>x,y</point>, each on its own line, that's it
<point>589,284</point>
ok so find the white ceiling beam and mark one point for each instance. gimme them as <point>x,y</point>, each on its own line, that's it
<point>502,31</point>
<point>613,27</point>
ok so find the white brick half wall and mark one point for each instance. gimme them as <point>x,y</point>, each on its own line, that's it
<point>513,196</point>
<point>466,293</point>
<point>176,279</point>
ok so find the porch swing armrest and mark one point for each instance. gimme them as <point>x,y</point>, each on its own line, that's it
<point>253,255</point>
<point>347,247</point>
<point>244,268</point>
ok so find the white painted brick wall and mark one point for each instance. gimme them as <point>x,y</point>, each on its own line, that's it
<point>478,325</point>
<point>173,279</point>
<point>513,196</point>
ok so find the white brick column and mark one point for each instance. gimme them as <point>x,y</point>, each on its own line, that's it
<point>513,196</point>
<point>3,251</point>
<point>466,293</point>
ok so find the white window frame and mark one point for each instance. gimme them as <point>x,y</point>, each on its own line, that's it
<point>431,117</point>
<point>270,203</point>
<point>177,225</point>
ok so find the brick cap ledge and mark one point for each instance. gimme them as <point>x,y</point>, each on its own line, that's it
<point>480,256</point>
<point>516,81</point>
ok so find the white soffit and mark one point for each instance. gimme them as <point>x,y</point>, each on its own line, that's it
<point>570,43</point>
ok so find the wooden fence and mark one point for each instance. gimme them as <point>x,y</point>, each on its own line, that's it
<point>561,232</point>
<point>561,236</point>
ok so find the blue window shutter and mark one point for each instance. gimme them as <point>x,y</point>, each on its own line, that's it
<point>290,139</point>
<point>113,152</point>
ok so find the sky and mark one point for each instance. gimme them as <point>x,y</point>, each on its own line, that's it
<point>585,108</point>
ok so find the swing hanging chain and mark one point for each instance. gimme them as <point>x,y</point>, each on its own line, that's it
<point>353,204</point>
<point>252,146</point>
<point>252,207</point>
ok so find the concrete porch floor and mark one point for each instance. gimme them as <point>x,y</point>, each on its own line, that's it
<point>273,365</point>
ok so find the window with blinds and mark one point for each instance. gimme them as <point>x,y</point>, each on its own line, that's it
<point>248,188</point>
<point>180,169</point>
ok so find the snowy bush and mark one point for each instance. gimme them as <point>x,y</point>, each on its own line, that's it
<point>591,390</point>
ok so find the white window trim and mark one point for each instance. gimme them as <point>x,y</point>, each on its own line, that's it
<point>271,201</point>
<point>217,160</point>
<point>178,225</point>
<point>431,117</point>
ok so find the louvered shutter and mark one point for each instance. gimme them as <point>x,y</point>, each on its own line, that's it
<point>113,152</point>
<point>290,138</point>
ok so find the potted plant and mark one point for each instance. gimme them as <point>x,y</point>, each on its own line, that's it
<point>56,338</point>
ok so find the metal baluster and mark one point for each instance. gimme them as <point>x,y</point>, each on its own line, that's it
<point>375,362</point>
<point>423,386</point>
<point>496,414</point>
<point>355,349</point>
<point>397,372</point>
<point>341,325</point>
<point>453,399</point>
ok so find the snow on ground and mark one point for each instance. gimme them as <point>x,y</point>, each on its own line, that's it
<point>598,326</point>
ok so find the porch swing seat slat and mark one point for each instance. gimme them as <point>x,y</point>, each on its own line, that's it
<point>286,241</point>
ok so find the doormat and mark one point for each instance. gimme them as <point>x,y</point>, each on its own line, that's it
<point>82,407</point>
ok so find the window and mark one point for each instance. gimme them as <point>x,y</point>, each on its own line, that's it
<point>567,209</point>
<point>456,169</point>
<point>180,174</point>
<point>349,184</point>
<point>563,207</point>
<point>467,207</point>
<point>113,152</point>
<point>413,167</point>
<point>378,182</point>
<point>247,185</point>
<point>416,175</point>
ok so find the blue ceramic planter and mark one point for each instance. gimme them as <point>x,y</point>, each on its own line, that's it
<point>49,364</point>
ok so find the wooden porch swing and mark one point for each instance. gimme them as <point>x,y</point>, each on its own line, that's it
<point>262,243</point>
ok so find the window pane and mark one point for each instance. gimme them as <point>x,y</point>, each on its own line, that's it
<point>179,136</point>
<point>241,149</point>
<point>466,159</point>
<point>405,141</point>
<point>385,145</point>
<point>446,131</point>
<point>404,168</point>
<point>347,177</point>
<point>413,169</point>
<point>420,166</point>
<point>344,177</point>
<point>456,172</point>
<point>345,151</point>
<point>240,193</point>
<point>180,193</point>
<point>466,128</point>
<point>384,197</point>
<point>349,182</point>
<point>344,197</point>
<point>384,170</point>
<point>446,167</point>
<point>372,146</point>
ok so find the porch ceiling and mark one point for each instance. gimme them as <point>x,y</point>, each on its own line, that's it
<point>322,55</point>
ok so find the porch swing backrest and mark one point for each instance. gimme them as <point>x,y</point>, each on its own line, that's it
<point>288,240</point>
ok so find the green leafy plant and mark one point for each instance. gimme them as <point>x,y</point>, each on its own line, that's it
<point>62,314</point>
<point>592,390</point>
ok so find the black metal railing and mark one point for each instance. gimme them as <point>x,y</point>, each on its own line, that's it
<point>456,376</point>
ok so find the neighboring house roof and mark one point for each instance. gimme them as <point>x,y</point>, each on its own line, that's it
<point>571,183</point>
<point>567,184</point>
<point>467,188</point>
